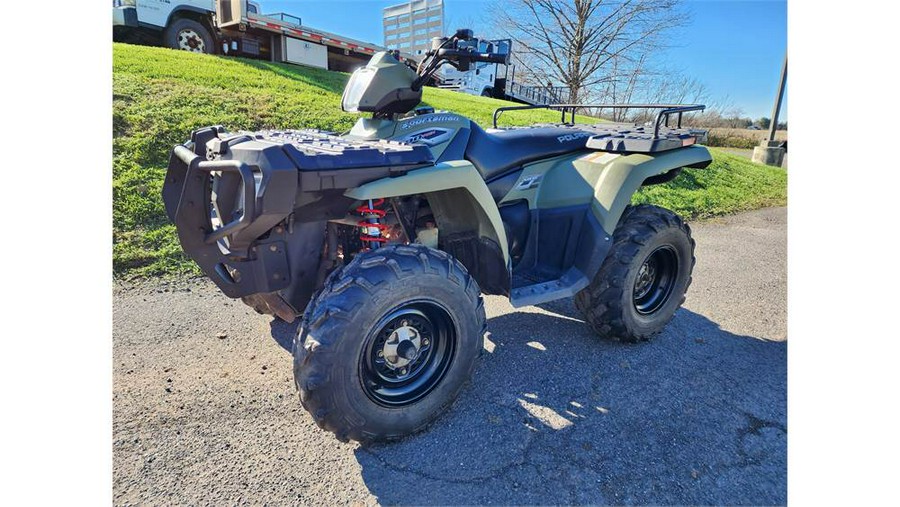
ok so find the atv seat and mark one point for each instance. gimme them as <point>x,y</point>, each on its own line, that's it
<point>496,153</point>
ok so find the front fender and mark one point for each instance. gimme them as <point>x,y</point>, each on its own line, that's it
<point>466,215</point>
<point>435,182</point>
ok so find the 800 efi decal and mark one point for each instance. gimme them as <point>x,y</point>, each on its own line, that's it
<point>430,137</point>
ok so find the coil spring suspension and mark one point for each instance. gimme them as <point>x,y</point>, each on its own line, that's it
<point>371,229</point>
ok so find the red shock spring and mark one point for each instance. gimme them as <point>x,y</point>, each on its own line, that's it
<point>372,231</point>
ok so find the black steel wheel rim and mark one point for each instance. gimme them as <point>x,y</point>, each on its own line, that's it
<point>396,386</point>
<point>655,280</point>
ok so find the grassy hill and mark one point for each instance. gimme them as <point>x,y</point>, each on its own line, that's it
<point>160,96</point>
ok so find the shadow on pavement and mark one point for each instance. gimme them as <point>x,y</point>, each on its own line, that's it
<point>556,415</point>
<point>283,332</point>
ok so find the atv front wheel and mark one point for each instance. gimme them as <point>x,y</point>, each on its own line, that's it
<point>388,343</point>
<point>644,278</point>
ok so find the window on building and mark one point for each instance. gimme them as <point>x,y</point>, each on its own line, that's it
<point>420,21</point>
<point>403,25</point>
<point>432,19</point>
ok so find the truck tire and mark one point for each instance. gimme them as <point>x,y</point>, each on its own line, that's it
<point>388,343</point>
<point>644,278</point>
<point>487,92</point>
<point>189,35</point>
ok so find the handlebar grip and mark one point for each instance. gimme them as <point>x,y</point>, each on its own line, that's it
<point>498,58</point>
<point>456,54</point>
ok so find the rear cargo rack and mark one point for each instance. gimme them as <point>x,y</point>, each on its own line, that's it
<point>628,137</point>
<point>662,118</point>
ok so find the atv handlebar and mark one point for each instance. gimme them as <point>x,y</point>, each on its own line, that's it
<point>460,51</point>
<point>459,54</point>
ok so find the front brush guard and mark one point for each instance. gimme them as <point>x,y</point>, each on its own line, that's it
<point>235,266</point>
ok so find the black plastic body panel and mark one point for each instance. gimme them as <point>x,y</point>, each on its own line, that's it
<point>549,272</point>
<point>456,150</point>
<point>630,138</point>
<point>552,243</point>
<point>517,222</point>
<point>251,208</point>
<point>483,259</point>
<point>501,186</point>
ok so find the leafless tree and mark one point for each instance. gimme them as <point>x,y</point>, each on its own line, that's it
<point>584,43</point>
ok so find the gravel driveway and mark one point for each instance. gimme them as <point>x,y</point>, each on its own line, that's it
<point>205,410</point>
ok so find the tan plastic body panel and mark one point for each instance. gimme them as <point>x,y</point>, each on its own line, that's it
<point>606,180</point>
<point>444,185</point>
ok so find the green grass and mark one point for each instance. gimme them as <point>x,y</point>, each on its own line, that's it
<point>729,185</point>
<point>160,96</point>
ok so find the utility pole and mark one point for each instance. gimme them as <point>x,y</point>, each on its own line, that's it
<point>778,99</point>
<point>770,151</point>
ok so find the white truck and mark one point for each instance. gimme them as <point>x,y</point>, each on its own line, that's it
<point>235,27</point>
<point>189,24</point>
<point>498,80</point>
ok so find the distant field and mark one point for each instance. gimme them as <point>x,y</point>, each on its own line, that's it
<point>161,95</point>
<point>741,138</point>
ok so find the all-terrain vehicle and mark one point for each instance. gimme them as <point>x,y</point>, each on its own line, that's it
<point>385,238</point>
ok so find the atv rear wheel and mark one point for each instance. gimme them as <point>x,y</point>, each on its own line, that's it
<point>388,343</point>
<point>644,278</point>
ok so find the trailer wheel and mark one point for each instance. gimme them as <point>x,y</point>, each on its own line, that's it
<point>189,35</point>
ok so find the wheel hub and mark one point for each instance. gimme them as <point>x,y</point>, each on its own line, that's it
<point>190,40</point>
<point>655,280</point>
<point>645,278</point>
<point>402,346</point>
<point>408,353</point>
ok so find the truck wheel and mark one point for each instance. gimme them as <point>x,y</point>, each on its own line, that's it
<point>487,92</point>
<point>388,343</point>
<point>644,277</point>
<point>189,35</point>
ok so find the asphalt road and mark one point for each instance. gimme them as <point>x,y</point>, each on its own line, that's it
<point>205,410</point>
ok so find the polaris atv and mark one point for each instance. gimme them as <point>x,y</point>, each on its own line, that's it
<point>385,238</point>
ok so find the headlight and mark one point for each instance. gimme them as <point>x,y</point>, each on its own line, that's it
<point>124,3</point>
<point>356,88</point>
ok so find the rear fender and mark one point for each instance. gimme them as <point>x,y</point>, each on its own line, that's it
<point>615,178</point>
<point>467,217</point>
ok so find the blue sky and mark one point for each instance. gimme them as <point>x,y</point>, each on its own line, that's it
<point>736,48</point>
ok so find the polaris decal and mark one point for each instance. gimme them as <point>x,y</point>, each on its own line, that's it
<point>530,182</point>
<point>431,137</point>
<point>572,137</point>
<point>429,119</point>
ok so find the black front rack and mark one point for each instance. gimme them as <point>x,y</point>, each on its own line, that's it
<point>662,118</point>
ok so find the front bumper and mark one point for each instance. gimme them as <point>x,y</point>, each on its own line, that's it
<point>125,16</point>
